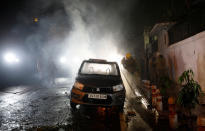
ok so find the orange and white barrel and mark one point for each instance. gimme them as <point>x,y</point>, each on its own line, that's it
<point>171,100</point>
<point>200,123</point>
<point>154,88</point>
<point>173,121</point>
<point>154,96</point>
<point>172,109</point>
<point>172,105</point>
<point>159,103</point>
<point>146,83</point>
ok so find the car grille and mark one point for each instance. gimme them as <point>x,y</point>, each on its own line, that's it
<point>97,101</point>
<point>98,90</point>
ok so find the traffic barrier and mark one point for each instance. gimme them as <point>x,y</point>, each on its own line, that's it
<point>159,103</point>
<point>171,100</point>
<point>154,96</point>
<point>172,109</point>
<point>146,90</point>
<point>154,89</point>
<point>157,91</point>
<point>200,123</point>
<point>146,84</point>
<point>173,121</point>
<point>172,105</point>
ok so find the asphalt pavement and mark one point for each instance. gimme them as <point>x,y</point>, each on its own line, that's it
<point>47,108</point>
<point>35,107</point>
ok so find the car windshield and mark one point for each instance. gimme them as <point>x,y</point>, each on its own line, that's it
<point>99,68</point>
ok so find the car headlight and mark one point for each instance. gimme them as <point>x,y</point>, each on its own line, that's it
<point>63,60</point>
<point>11,58</point>
<point>118,88</point>
<point>78,85</point>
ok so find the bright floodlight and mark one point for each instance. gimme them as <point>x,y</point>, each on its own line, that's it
<point>11,58</point>
<point>115,57</point>
<point>63,60</point>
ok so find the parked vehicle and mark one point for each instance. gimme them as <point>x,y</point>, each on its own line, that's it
<point>98,83</point>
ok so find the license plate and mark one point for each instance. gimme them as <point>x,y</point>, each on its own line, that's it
<point>97,96</point>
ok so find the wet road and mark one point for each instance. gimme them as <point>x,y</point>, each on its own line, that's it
<point>48,108</point>
<point>32,107</point>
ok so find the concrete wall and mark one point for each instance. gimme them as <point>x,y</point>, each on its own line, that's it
<point>187,54</point>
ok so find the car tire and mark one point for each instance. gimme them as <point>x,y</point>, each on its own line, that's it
<point>73,105</point>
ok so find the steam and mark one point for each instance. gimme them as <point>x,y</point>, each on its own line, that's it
<point>77,29</point>
<point>94,33</point>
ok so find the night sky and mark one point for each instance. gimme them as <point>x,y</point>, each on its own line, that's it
<point>83,29</point>
<point>8,11</point>
<point>130,15</point>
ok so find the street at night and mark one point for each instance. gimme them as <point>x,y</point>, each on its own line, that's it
<point>48,108</point>
<point>102,65</point>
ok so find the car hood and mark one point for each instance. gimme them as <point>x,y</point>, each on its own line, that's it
<point>99,81</point>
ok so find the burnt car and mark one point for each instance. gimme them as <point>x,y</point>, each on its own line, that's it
<point>98,83</point>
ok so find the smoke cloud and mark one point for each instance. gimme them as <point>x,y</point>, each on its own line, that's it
<point>77,29</point>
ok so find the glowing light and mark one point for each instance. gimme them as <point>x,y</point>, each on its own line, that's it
<point>77,60</point>
<point>115,57</point>
<point>35,20</point>
<point>63,60</point>
<point>61,80</point>
<point>144,102</point>
<point>137,93</point>
<point>11,58</point>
